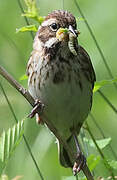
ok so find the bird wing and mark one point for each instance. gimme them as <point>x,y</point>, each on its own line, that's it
<point>86,65</point>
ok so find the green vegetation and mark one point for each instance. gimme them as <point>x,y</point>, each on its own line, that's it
<point>15,49</point>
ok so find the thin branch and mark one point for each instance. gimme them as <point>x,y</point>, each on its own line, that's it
<point>102,133</point>
<point>97,125</point>
<point>8,102</point>
<point>30,99</point>
<point>63,4</point>
<point>16,85</point>
<point>27,22</point>
<point>25,140</point>
<point>76,177</point>
<point>12,43</point>
<point>85,147</point>
<point>105,63</point>
<point>96,42</point>
<point>34,159</point>
<point>107,165</point>
<point>108,101</point>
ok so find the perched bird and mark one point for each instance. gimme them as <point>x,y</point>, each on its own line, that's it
<point>60,75</point>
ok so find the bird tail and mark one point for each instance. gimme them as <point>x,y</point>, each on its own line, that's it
<point>64,158</point>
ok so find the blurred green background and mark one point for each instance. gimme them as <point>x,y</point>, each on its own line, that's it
<point>15,50</point>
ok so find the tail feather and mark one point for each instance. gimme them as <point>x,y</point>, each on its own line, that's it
<point>63,155</point>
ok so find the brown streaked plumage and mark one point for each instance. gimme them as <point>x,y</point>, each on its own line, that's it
<point>61,79</point>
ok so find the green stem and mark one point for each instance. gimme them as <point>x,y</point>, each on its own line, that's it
<point>25,140</point>
<point>27,22</point>
<point>76,177</point>
<point>103,135</point>
<point>31,100</point>
<point>100,152</point>
<point>107,101</point>
<point>63,4</point>
<point>96,42</point>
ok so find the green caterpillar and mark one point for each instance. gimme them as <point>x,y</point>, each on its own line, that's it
<point>71,43</point>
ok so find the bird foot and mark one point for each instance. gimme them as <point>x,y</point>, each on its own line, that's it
<point>38,106</point>
<point>79,164</point>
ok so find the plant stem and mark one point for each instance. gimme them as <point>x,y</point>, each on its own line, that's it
<point>107,100</point>
<point>31,100</point>
<point>102,133</point>
<point>63,4</point>
<point>100,152</point>
<point>25,140</point>
<point>27,22</point>
<point>96,42</point>
<point>16,85</point>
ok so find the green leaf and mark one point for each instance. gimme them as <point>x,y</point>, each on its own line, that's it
<point>31,6</point>
<point>8,142</point>
<point>27,28</point>
<point>92,161</point>
<point>99,84</point>
<point>80,19</point>
<point>32,11</point>
<point>30,15</point>
<point>40,19</point>
<point>101,143</point>
<point>24,77</point>
<point>113,164</point>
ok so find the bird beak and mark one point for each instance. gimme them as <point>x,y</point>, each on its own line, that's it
<point>75,32</point>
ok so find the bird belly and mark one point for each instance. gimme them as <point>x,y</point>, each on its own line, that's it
<point>67,103</point>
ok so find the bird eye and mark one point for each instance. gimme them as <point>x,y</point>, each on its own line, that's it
<point>54,26</point>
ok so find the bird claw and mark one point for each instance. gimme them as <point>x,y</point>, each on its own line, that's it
<point>38,106</point>
<point>79,164</point>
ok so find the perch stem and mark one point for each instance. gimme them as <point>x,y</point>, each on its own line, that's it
<point>31,100</point>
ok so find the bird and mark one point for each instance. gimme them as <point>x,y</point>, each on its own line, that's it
<point>61,76</point>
